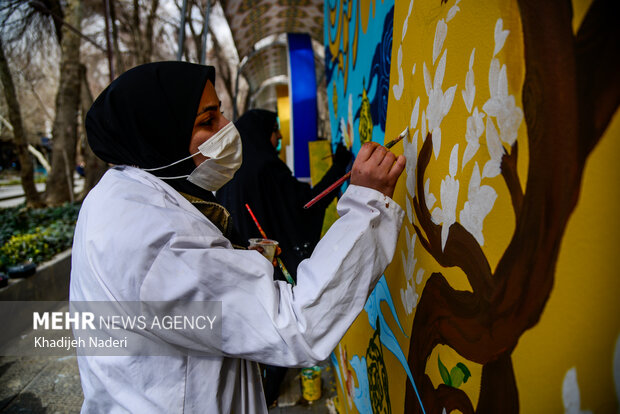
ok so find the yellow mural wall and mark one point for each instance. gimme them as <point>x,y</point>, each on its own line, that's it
<point>457,77</point>
<point>580,326</point>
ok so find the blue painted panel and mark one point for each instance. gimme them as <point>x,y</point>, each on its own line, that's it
<point>303,100</point>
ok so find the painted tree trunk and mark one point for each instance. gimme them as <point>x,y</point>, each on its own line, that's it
<point>565,116</point>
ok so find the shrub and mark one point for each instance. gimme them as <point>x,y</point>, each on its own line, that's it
<point>36,234</point>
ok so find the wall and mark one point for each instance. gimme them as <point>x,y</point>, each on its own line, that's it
<point>358,41</point>
<point>502,293</point>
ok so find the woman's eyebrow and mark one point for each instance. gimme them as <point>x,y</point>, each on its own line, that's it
<point>210,108</point>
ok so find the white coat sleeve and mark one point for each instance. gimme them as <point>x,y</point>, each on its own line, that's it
<point>273,322</point>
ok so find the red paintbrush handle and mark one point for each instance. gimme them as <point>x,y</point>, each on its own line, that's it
<point>331,188</point>
<point>328,190</point>
<point>260,229</point>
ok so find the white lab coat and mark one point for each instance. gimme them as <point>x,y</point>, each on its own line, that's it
<point>137,239</point>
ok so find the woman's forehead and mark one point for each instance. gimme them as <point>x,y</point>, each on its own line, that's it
<point>208,99</point>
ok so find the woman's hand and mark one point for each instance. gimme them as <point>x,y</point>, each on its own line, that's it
<point>377,168</point>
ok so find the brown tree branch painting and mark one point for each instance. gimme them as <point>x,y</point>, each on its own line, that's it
<point>570,93</point>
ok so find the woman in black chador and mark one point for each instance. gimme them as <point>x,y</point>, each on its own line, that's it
<point>275,196</point>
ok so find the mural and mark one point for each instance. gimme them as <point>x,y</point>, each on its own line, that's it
<point>499,298</point>
<point>358,44</point>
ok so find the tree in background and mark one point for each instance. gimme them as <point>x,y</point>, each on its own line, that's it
<point>19,136</point>
<point>217,53</point>
<point>24,25</point>
<point>64,131</point>
<point>94,166</point>
<point>135,27</point>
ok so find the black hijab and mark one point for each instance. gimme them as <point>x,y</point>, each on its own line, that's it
<point>145,118</point>
<point>255,128</point>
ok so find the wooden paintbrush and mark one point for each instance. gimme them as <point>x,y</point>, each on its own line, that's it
<point>285,271</point>
<point>345,177</point>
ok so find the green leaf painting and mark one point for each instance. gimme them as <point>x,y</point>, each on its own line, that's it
<point>444,372</point>
<point>457,376</point>
<point>465,371</point>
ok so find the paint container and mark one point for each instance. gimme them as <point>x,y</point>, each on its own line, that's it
<point>311,383</point>
<point>269,247</point>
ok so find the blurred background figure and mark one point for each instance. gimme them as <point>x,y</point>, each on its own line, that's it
<point>275,196</point>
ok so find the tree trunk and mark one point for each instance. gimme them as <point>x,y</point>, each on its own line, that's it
<point>119,62</point>
<point>147,43</point>
<point>224,72</point>
<point>64,132</point>
<point>55,9</point>
<point>19,137</point>
<point>95,167</point>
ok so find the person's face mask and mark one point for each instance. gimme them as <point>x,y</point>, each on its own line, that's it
<point>223,152</point>
<point>276,138</point>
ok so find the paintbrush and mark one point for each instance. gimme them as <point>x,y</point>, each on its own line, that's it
<point>285,271</point>
<point>345,177</point>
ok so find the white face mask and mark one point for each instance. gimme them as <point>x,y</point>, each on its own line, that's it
<point>224,158</point>
<point>224,152</point>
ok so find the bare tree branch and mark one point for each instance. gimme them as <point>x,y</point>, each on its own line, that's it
<point>148,32</point>
<point>119,62</point>
<point>54,10</point>
<point>135,30</point>
<point>196,36</point>
<point>223,66</point>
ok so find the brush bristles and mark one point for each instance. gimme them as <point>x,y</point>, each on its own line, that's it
<point>402,135</point>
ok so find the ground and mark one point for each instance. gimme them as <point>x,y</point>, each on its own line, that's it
<point>51,385</point>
